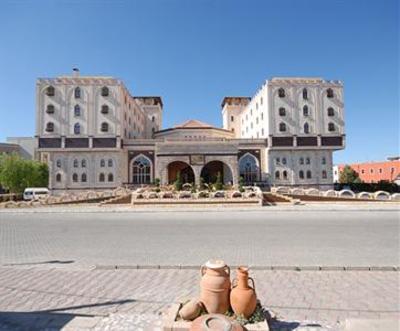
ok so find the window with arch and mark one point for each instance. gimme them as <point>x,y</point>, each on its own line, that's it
<point>305,110</point>
<point>284,160</point>
<point>282,111</point>
<point>50,91</point>
<point>105,91</point>
<point>331,112</point>
<point>248,168</point>
<point>50,109</point>
<point>75,177</point>
<point>323,160</point>
<point>110,177</point>
<point>58,178</point>
<point>76,163</point>
<point>305,94</point>
<point>50,127</point>
<point>329,93</point>
<point>104,127</point>
<point>58,163</point>
<point>281,93</point>
<point>102,177</point>
<point>324,174</point>
<point>105,109</point>
<point>102,163</point>
<point>83,178</point>
<point>153,119</point>
<point>83,163</point>
<point>282,127</point>
<point>77,93</point>
<point>77,128</point>
<point>308,174</point>
<point>284,174</point>
<point>277,174</point>
<point>306,128</point>
<point>110,162</point>
<point>301,174</point>
<point>301,160</point>
<point>153,130</point>
<point>308,161</point>
<point>331,127</point>
<point>77,111</point>
<point>141,170</point>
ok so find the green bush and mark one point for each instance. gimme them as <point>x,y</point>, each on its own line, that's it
<point>218,183</point>
<point>178,182</point>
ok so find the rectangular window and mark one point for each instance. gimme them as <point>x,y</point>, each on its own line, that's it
<point>232,118</point>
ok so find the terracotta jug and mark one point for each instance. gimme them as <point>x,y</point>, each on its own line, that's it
<point>243,297</point>
<point>215,286</point>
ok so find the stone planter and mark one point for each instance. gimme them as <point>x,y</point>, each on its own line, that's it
<point>171,322</point>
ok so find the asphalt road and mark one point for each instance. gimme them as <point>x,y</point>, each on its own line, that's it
<point>261,238</point>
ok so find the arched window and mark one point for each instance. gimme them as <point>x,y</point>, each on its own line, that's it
<point>101,178</point>
<point>282,127</point>
<point>331,127</point>
<point>153,130</point>
<point>83,163</point>
<point>301,174</point>
<point>248,168</point>
<point>305,110</point>
<point>104,127</point>
<point>50,127</point>
<point>324,174</point>
<point>75,177</point>
<point>105,91</point>
<point>308,161</point>
<point>104,109</point>
<point>83,178</point>
<point>76,163</point>
<point>308,174</point>
<point>50,91</point>
<point>284,160</point>
<point>301,161</point>
<point>141,170</point>
<point>285,174</point>
<point>50,109</point>
<point>282,111</point>
<point>277,174</point>
<point>153,119</point>
<point>306,128</point>
<point>331,112</point>
<point>110,177</point>
<point>58,178</point>
<point>58,163</point>
<point>77,93</point>
<point>110,162</point>
<point>305,94</point>
<point>102,163</point>
<point>77,128</point>
<point>77,110</point>
<point>323,161</point>
<point>281,92</point>
<point>329,93</point>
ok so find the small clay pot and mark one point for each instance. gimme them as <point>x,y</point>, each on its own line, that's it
<point>215,322</point>
<point>190,310</point>
<point>243,297</point>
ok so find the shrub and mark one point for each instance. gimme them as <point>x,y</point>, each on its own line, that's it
<point>178,182</point>
<point>218,183</point>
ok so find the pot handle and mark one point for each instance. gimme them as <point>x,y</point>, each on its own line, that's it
<point>252,280</point>
<point>228,270</point>
<point>233,283</point>
<point>203,267</point>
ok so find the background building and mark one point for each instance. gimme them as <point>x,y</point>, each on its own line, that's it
<point>95,135</point>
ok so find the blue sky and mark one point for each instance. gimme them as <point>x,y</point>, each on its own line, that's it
<point>193,53</point>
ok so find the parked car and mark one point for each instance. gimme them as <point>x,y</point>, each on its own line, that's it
<point>35,193</point>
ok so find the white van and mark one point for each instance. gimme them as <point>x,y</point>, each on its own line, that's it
<point>35,193</point>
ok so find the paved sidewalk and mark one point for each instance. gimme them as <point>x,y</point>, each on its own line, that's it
<point>133,299</point>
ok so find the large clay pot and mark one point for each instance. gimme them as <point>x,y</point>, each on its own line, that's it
<point>215,322</point>
<point>243,297</point>
<point>215,286</point>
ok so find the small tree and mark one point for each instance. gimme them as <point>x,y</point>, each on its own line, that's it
<point>348,176</point>
<point>178,181</point>
<point>241,184</point>
<point>218,183</point>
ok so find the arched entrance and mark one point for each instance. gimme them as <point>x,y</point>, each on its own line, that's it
<point>210,172</point>
<point>186,171</point>
<point>249,168</point>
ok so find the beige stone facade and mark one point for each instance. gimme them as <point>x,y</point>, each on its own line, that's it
<point>95,135</point>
